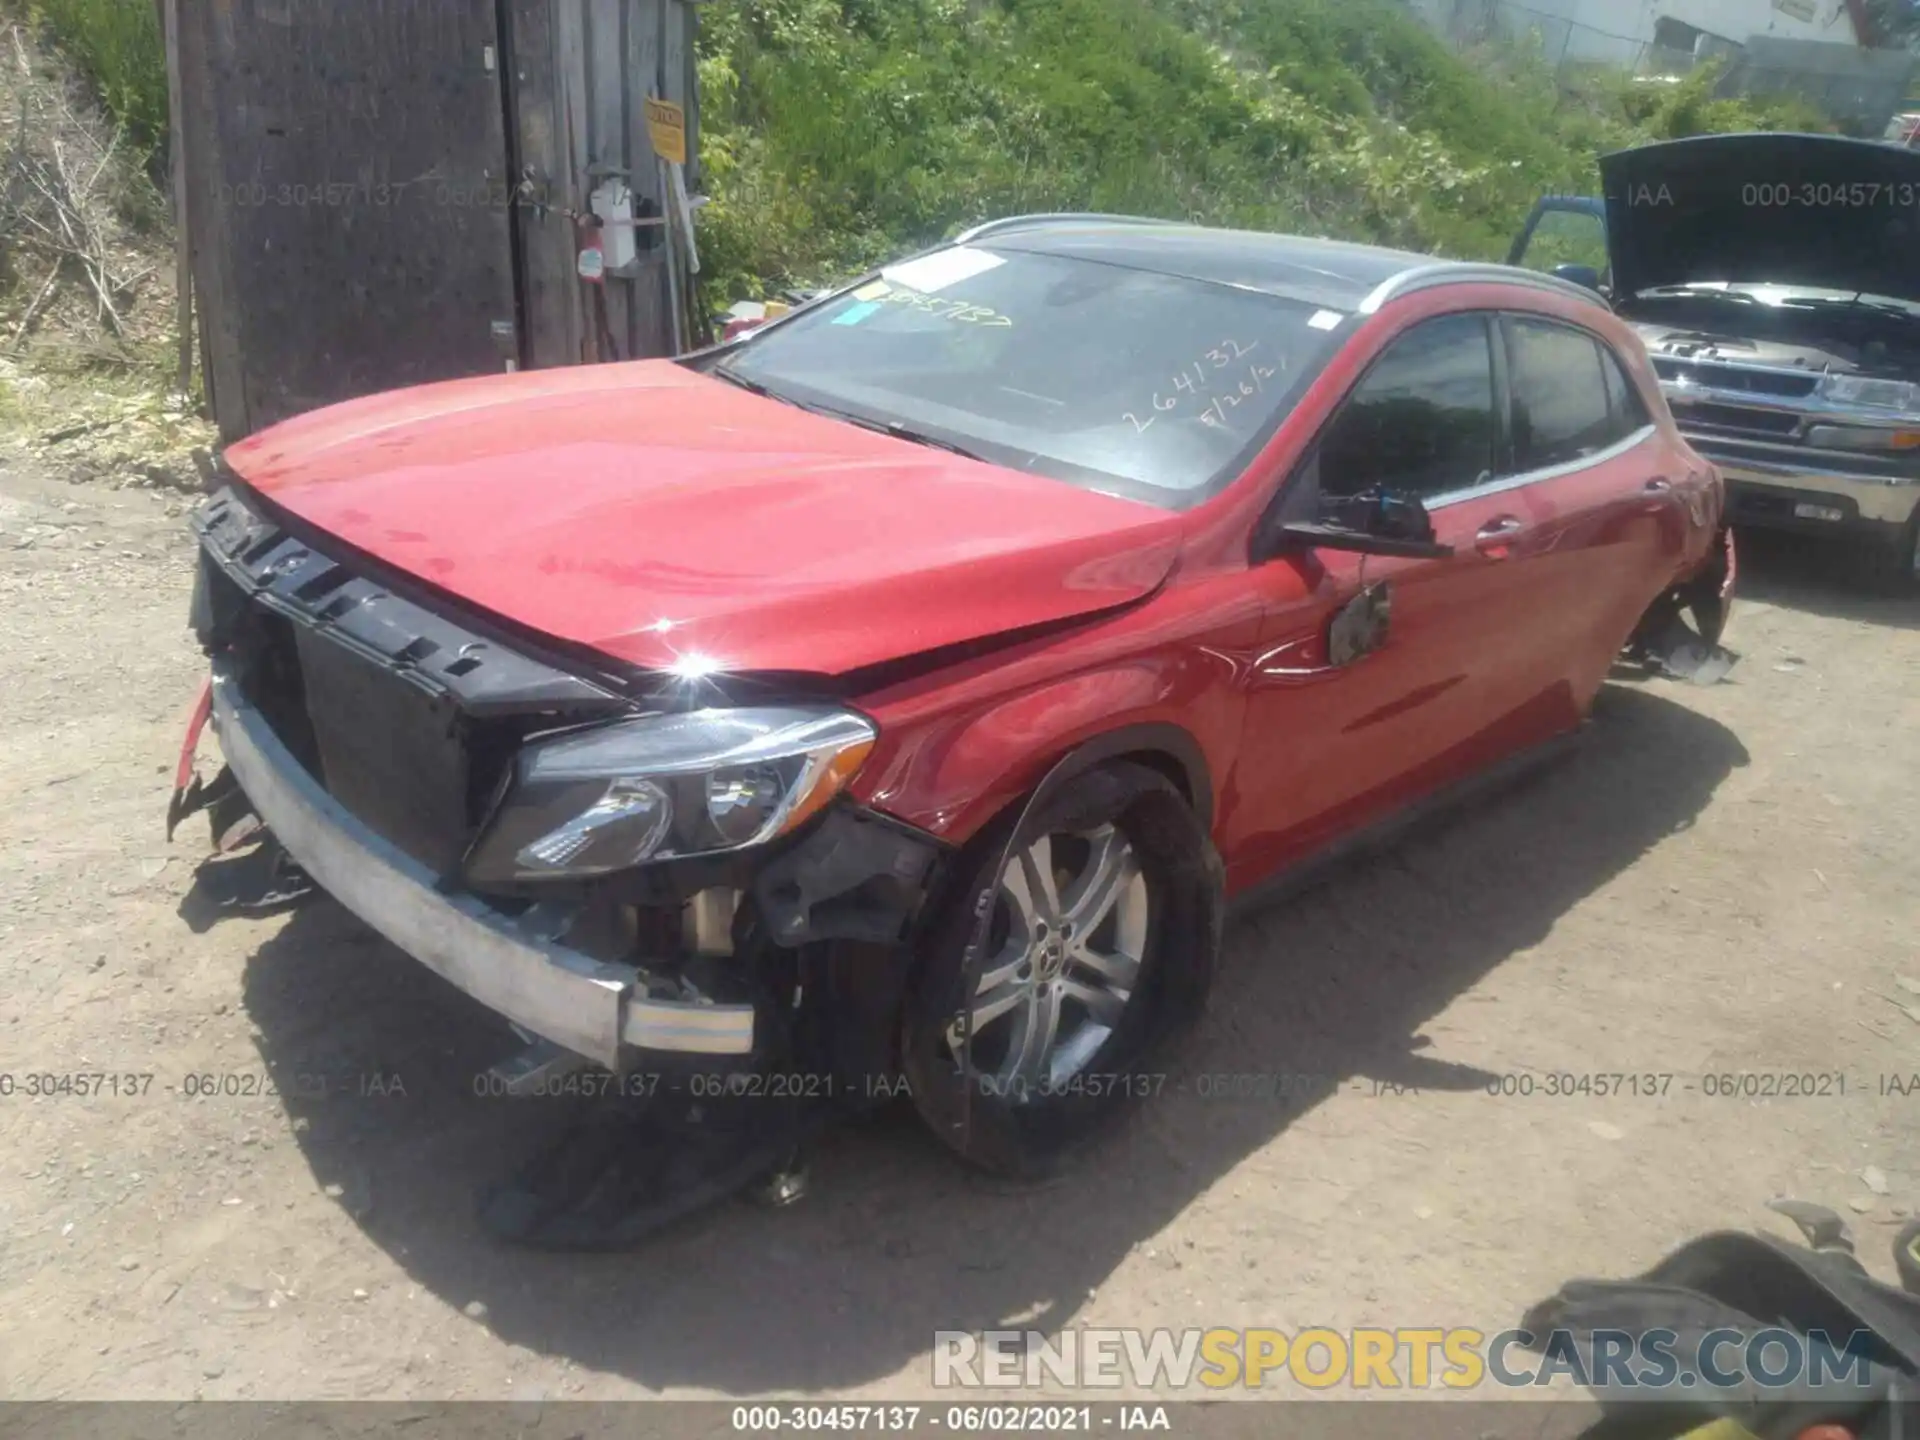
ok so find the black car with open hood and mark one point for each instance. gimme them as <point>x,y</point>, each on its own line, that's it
<point>1775,281</point>
<point>1818,211</point>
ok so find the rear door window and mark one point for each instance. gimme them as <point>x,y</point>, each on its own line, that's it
<point>1422,421</point>
<point>1623,397</point>
<point>1562,408</point>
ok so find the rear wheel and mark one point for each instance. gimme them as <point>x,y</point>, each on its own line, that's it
<point>1703,599</point>
<point>1099,940</point>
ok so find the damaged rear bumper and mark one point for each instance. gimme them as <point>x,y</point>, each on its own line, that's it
<point>599,1010</point>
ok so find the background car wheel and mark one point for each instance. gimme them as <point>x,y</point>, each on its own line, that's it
<point>1897,565</point>
<point>1102,933</point>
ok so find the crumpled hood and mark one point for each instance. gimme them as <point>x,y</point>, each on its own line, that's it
<point>1815,210</point>
<point>666,518</point>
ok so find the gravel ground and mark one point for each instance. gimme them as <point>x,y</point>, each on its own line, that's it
<point>1718,881</point>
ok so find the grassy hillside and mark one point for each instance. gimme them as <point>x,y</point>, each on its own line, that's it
<point>117,44</point>
<point>839,131</point>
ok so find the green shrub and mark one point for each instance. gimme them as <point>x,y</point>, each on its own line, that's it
<point>1690,107</point>
<point>836,132</point>
<point>117,44</point>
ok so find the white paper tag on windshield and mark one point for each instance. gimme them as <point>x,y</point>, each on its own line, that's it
<point>932,273</point>
<point>1325,319</point>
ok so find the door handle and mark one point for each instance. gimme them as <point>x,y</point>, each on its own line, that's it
<point>1659,485</point>
<point>1495,538</point>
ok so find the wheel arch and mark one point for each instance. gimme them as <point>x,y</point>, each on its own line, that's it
<point>1158,745</point>
<point>1170,750</point>
<point>1176,972</point>
<point>951,762</point>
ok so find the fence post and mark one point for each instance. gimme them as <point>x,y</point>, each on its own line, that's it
<point>177,165</point>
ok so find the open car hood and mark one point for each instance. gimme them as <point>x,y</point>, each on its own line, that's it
<point>668,519</point>
<point>1813,210</point>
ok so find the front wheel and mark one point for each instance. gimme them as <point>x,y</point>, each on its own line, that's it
<point>1896,563</point>
<point>1100,937</point>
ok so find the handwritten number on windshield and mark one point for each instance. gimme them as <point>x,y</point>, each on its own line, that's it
<point>1255,384</point>
<point>1197,380</point>
<point>1162,406</point>
<point>947,309</point>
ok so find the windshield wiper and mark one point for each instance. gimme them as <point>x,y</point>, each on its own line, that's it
<point>1857,302</point>
<point>1688,292</point>
<point>752,387</point>
<point>1886,306</point>
<point>899,429</point>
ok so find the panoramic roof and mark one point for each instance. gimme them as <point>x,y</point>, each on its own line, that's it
<point>1323,272</point>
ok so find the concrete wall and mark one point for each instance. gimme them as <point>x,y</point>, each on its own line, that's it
<point>1738,19</point>
<point>1616,31</point>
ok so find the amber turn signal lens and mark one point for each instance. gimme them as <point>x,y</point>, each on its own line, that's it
<point>826,782</point>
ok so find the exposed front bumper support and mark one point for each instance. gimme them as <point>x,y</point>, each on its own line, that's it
<point>588,1006</point>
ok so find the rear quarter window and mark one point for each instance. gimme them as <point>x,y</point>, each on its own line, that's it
<point>1628,405</point>
<point>1564,406</point>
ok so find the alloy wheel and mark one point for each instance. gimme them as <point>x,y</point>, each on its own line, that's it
<point>1063,959</point>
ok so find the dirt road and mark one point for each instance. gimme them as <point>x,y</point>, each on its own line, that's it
<point>1719,881</point>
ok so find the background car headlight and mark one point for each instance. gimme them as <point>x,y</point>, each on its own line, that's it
<point>1869,393</point>
<point>1862,437</point>
<point>667,786</point>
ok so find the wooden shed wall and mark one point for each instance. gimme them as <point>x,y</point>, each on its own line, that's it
<point>377,193</point>
<point>580,72</point>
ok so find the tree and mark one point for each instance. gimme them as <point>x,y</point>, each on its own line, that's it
<point>1895,22</point>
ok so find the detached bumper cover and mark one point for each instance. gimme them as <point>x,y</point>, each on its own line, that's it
<point>596,1009</point>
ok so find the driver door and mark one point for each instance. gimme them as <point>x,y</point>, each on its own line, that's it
<point>1334,740</point>
<point>1566,235</point>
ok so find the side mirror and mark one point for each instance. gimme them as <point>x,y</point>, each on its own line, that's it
<point>1377,522</point>
<point>1582,275</point>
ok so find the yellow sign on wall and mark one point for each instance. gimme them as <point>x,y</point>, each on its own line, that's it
<point>667,124</point>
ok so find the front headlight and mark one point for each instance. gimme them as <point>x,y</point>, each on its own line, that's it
<point>667,786</point>
<point>1870,394</point>
<point>1863,437</point>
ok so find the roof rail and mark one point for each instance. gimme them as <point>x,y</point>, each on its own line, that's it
<point>1458,272</point>
<point>1010,222</point>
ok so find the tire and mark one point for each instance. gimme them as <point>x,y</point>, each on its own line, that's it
<point>1018,1111</point>
<point>1895,566</point>
<point>1906,1256</point>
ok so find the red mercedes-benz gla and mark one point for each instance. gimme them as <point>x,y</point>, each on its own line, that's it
<point>898,695</point>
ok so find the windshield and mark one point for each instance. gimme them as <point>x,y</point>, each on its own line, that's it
<point>1121,380</point>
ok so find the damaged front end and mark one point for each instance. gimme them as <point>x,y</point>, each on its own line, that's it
<point>256,876</point>
<point>683,901</point>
